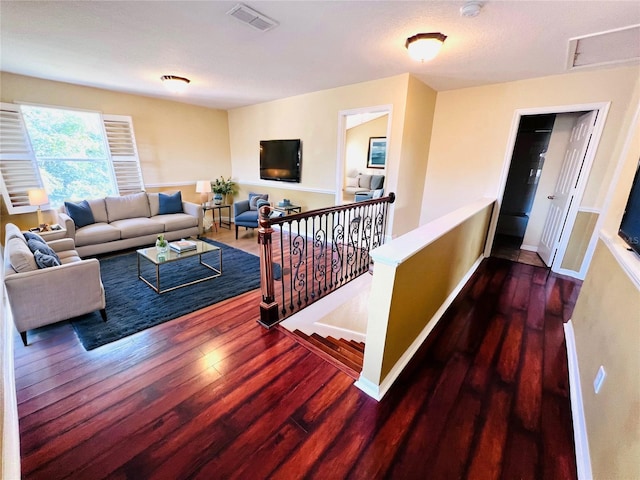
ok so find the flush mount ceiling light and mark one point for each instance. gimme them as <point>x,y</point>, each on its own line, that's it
<point>174,83</point>
<point>471,9</point>
<point>425,46</point>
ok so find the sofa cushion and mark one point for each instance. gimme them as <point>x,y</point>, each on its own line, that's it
<point>175,221</point>
<point>254,197</point>
<point>137,227</point>
<point>96,233</point>
<point>80,213</point>
<point>44,260</point>
<point>248,217</point>
<point>128,206</point>
<point>35,245</point>
<point>68,256</point>
<point>20,257</point>
<point>154,203</point>
<point>377,181</point>
<point>170,203</point>
<point>364,181</point>
<point>99,210</point>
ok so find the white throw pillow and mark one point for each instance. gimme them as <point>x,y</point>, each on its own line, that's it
<point>352,181</point>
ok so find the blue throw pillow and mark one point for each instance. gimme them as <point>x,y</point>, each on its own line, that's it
<point>36,245</point>
<point>44,261</point>
<point>80,213</point>
<point>33,236</point>
<point>170,203</point>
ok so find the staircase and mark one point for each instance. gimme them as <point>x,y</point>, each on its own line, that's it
<point>347,355</point>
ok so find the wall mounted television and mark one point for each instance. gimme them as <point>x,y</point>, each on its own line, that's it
<point>280,160</point>
<point>630,225</point>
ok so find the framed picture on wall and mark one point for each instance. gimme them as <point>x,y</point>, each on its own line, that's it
<point>377,157</point>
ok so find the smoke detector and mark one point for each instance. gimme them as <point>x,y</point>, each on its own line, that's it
<point>471,9</point>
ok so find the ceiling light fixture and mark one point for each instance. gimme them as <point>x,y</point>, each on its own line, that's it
<point>174,83</point>
<point>425,46</point>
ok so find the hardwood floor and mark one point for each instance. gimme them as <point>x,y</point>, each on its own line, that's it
<point>213,395</point>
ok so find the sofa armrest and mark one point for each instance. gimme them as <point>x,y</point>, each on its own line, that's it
<point>68,223</point>
<point>48,295</point>
<point>62,244</point>
<point>195,210</point>
<point>240,206</point>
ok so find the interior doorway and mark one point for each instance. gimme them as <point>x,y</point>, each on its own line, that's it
<point>356,128</point>
<point>544,179</point>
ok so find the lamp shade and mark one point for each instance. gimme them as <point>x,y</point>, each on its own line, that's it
<point>203,186</point>
<point>38,197</point>
<point>425,46</point>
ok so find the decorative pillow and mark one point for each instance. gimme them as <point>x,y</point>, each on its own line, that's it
<point>44,261</point>
<point>364,181</point>
<point>170,203</point>
<point>128,206</point>
<point>352,181</point>
<point>80,213</point>
<point>377,181</point>
<point>377,193</point>
<point>35,245</point>
<point>254,197</point>
<point>20,256</point>
<point>33,236</point>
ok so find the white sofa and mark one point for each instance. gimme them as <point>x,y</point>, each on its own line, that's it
<point>363,183</point>
<point>130,221</point>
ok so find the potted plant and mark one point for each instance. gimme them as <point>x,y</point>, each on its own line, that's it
<point>162,245</point>
<point>221,188</point>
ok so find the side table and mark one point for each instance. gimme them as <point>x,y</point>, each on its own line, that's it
<point>213,207</point>
<point>289,208</point>
<point>49,235</point>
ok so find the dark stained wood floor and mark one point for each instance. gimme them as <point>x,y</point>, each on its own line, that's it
<point>213,395</point>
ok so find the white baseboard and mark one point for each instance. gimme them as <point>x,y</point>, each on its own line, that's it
<point>583,459</point>
<point>378,391</point>
<point>529,248</point>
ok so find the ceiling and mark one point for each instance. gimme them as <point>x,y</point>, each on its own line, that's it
<point>127,45</point>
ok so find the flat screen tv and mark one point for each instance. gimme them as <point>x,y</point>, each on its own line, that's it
<point>280,160</point>
<point>630,225</point>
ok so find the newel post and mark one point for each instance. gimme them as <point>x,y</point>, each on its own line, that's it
<point>268,306</point>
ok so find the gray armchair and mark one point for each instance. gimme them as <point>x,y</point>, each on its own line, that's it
<point>42,296</point>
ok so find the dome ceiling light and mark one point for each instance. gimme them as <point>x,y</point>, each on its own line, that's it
<point>174,83</point>
<point>471,9</point>
<point>425,46</point>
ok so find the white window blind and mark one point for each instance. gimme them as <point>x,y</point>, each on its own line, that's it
<point>18,165</point>
<point>124,154</point>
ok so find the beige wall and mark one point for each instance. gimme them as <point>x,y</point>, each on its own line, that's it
<point>607,329</point>
<point>314,119</point>
<point>550,171</point>
<point>472,127</point>
<point>177,143</point>
<point>357,145</point>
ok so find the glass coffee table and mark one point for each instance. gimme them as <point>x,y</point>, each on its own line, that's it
<point>158,259</point>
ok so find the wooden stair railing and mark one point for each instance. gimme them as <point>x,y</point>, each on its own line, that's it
<point>320,251</point>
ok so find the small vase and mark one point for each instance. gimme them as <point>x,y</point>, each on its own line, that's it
<point>162,249</point>
<point>217,199</point>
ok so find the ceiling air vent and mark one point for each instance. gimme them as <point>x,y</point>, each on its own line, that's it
<point>252,18</point>
<point>613,46</point>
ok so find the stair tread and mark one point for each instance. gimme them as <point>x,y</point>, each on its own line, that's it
<point>333,344</point>
<point>347,359</point>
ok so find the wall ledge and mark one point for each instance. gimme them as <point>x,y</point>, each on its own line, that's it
<point>629,261</point>
<point>407,245</point>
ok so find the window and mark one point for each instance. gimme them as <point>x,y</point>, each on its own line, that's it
<point>72,154</point>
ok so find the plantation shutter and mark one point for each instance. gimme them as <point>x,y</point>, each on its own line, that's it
<point>18,165</point>
<point>124,154</point>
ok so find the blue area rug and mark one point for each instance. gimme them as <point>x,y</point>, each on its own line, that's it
<point>133,306</point>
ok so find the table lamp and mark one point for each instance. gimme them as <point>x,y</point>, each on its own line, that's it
<point>38,197</point>
<point>203,187</point>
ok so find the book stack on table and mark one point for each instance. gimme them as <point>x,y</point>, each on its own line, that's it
<point>182,245</point>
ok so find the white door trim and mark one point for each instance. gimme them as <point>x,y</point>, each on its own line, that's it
<point>603,110</point>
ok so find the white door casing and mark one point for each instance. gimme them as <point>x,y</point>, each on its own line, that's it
<point>565,190</point>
